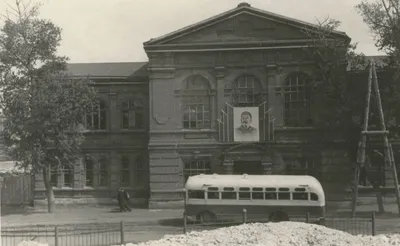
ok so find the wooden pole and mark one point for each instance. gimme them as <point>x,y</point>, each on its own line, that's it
<point>388,151</point>
<point>362,144</point>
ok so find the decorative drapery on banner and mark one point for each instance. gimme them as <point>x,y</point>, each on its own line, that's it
<point>246,124</point>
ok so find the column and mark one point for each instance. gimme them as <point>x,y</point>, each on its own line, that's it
<point>228,166</point>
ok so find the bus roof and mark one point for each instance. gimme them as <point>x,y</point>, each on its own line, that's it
<point>204,180</point>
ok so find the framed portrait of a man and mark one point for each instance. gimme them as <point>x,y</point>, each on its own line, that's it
<point>246,124</point>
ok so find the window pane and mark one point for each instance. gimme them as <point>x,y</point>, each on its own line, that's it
<point>132,119</point>
<point>196,194</point>
<point>139,120</point>
<point>125,119</point>
<point>102,120</point>
<point>89,172</point>
<point>68,176</point>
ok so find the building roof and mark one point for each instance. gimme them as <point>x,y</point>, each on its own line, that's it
<point>241,8</point>
<point>109,70</point>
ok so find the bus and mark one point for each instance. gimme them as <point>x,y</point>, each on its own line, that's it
<point>277,197</point>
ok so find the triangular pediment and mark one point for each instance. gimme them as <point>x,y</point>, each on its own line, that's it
<point>242,24</point>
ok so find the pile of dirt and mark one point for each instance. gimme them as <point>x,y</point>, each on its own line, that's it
<point>273,234</point>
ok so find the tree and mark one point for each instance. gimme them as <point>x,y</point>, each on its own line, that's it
<point>335,106</point>
<point>43,106</point>
<point>383,18</point>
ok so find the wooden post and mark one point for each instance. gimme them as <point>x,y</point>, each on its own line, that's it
<point>56,235</point>
<point>373,224</point>
<point>362,144</point>
<point>184,222</point>
<point>388,150</point>
<point>122,233</point>
<point>244,216</point>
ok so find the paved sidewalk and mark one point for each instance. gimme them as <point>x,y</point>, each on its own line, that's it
<point>71,215</point>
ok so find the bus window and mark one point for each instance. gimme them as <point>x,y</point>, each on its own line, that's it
<point>213,193</point>
<point>196,194</point>
<point>257,193</point>
<point>270,196</point>
<point>270,189</point>
<point>300,196</point>
<point>300,189</point>
<point>284,189</point>
<point>244,193</point>
<point>229,193</point>
<point>313,197</point>
<point>283,196</point>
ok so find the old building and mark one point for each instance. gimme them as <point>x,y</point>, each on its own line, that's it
<point>225,95</point>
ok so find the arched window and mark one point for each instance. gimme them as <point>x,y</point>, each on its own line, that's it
<point>89,172</point>
<point>196,103</point>
<point>97,120</point>
<point>246,92</point>
<point>297,100</point>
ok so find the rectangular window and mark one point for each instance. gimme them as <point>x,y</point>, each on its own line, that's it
<point>229,193</point>
<point>132,114</point>
<point>97,119</point>
<point>125,172</point>
<point>89,172</point>
<point>244,193</point>
<point>140,174</point>
<point>212,193</point>
<point>195,167</point>
<point>103,173</point>
<point>68,173</point>
<point>300,196</point>
<point>196,194</point>
<point>196,112</point>
<point>257,193</point>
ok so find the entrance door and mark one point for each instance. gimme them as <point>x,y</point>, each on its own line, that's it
<point>248,167</point>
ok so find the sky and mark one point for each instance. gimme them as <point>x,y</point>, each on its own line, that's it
<point>114,30</point>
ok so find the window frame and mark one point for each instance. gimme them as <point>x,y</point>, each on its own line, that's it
<point>205,164</point>
<point>103,168</point>
<point>101,113</point>
<point>140,177</point>
<point>294,95</point>
<point>250,88</point>
<point>198,102</point>
<point>92,169</point>
<point>125,170</point>
<point>133,107</point>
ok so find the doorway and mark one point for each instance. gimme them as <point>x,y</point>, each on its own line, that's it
<point>248,167</point>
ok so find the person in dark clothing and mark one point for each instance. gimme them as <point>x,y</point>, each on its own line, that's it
<point>123,200</point>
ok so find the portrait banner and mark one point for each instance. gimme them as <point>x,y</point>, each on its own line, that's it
<point>246,124</point>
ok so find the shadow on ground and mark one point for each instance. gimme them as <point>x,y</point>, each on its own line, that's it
<point>18,210</point>
<point>174,222</point>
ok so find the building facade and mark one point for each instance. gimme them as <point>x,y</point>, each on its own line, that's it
<point>226,95</point>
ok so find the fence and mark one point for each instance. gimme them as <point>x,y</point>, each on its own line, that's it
<point>354,226</point>
<point>16,189</point>
<point>104,234</point>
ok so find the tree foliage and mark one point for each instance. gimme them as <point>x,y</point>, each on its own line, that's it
<point>334,106</point>
<point>383,19</point>
<point>42,105</point>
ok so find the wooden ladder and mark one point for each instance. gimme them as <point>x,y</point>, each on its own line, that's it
<point>388,151</point>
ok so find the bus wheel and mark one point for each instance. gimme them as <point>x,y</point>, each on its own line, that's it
<point>206,217</point>
<point>278,216</point>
